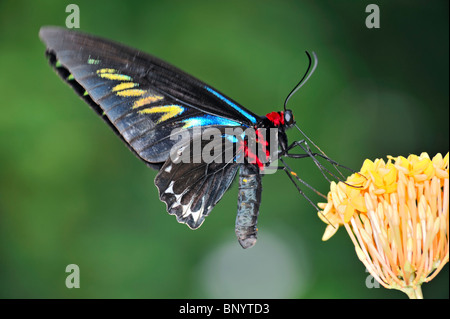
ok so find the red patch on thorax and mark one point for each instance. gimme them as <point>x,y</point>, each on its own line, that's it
<point>277,118</point>
<point>262,146</point>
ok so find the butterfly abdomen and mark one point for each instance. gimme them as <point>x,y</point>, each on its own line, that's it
<point>249,199</point>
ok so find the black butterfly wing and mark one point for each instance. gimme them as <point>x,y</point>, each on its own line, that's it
<point>141,97</point>
<point>191,189</point>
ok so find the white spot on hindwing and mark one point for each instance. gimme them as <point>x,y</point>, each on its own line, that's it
<point>196,215</point>
<point>171,191</point>
<point>185,209</point>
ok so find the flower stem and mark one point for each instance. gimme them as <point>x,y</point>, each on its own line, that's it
<point>413,293</point>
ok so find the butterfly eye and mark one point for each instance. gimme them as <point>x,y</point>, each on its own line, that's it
<point>288,118</point>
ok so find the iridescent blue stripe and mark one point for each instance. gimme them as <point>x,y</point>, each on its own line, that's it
<point>233,138</point>
<point>233,105</point>
<point>209,120</point>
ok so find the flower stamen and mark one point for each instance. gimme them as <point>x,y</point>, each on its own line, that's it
<point>397,218</point>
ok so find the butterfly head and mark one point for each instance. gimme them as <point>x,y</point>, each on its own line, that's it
<point>288,118</point>
<point>281,119</point>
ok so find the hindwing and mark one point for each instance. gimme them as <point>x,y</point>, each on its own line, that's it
<point>192,188</point>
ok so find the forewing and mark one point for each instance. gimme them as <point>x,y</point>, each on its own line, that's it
<point>141,97</point>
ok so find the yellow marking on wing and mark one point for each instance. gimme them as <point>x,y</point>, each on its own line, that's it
<point>147,100</point>
<point>123,86</point>
<point>116,77</point>
<point>106,70</point>
<point>131,92</point>
<point>111,74</point>
<point>169,110</point>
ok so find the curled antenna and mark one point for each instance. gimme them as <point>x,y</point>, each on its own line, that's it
<point>311,153</point>
<point>305,77</point>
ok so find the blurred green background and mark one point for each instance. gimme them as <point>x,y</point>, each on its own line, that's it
<point>71,192</point>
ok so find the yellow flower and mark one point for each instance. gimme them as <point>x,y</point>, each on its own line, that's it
<point>397,216</point>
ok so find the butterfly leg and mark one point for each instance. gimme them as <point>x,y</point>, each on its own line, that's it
<point>294,177</point>
<point>304,146</point>
<point>308,153</point>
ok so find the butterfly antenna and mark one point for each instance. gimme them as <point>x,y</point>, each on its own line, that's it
<point>305,77</point>
<point>302,82</point>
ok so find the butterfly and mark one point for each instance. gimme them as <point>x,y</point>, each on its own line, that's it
<point>162,114</point>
